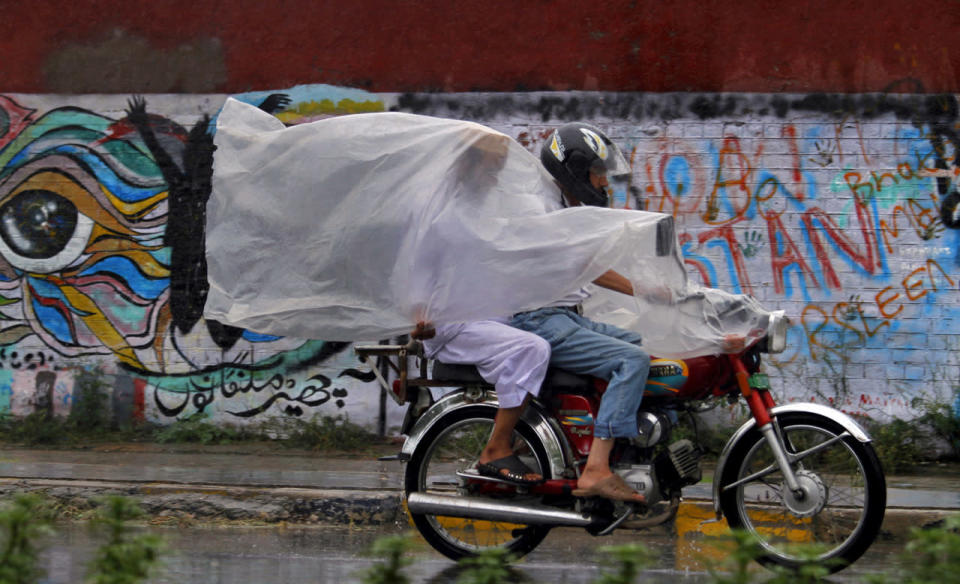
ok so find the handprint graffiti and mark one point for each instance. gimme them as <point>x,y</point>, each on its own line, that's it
<point>753,243</point>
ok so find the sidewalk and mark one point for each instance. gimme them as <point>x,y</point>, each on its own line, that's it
<point>272,485</point>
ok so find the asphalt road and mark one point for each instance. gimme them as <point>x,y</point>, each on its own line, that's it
<point>338,554</point>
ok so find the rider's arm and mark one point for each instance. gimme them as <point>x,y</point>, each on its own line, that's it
<point>612,280</point>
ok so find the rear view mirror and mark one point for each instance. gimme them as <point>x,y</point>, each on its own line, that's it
<point>666,236</point>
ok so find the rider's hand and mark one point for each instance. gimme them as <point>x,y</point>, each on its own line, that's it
<point>658,295</point>
<point>734,343</point>
<point>423,331</point>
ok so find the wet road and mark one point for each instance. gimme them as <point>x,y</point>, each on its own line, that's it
<point>336,554</point>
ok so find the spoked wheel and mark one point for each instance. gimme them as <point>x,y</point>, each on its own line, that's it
<point>454,444</point>
<point>841,505</point>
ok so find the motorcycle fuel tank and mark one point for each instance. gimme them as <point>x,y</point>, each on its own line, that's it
<point>692,378</point>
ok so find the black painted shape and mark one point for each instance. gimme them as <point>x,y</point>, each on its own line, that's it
<point>357,374</point>
<point>275,102</point>
<point>329,349</point>
<point>121,400</point>
<point>188,190</point>
<point>636,106</point>
<point>950,210</point>
<point>46,381</point>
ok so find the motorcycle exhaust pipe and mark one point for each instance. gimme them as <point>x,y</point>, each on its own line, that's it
<point>487,509</point>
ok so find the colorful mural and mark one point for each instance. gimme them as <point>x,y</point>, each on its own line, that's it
<point>839,209</point>
<point>101,262</point>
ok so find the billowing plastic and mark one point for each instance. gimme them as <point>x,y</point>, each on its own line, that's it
<point>357,227</point>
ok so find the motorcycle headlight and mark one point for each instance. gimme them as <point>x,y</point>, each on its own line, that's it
<point>777,331</point>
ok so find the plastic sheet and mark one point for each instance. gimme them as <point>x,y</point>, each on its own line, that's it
<point>359,226</point>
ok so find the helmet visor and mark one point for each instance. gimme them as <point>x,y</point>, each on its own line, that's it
<point>610,162</point>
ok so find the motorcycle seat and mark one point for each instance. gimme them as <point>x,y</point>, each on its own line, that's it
<point>457,374</point>
<point>557,380</point>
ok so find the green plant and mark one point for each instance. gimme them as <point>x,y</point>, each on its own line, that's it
<point>89,412</point>
<point>23,523</point>
<point>710,438</point>
<point>125,558</point>
<point>932,556</point>
<point>742,549</point>
<point>489,566</point>
<point>392,550</point>
<point>811,572</point>
<point>326,433</point>
<point>900,444</point>
<point>196,429</point>
<point>33,429</point>
<point>630,560</point>
<point>88,417</point>
<point>943,422</point>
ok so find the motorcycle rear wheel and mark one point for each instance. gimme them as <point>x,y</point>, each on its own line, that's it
<point>840,518</point>
<point>454,444</point>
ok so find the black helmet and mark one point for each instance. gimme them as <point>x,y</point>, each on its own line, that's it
<point>572,151</point>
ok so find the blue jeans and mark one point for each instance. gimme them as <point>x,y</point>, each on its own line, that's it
<point>580,345</point>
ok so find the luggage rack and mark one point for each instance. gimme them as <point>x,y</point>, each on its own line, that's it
<point>397,358</point>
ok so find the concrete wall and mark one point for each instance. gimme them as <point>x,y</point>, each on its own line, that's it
<point>827,206</point>
<point>193,46</point>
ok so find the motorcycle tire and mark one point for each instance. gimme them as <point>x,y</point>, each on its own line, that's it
<point>839,518</point>
<point>454,444</point>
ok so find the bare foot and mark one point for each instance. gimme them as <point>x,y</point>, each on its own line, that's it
<point>608,486</point>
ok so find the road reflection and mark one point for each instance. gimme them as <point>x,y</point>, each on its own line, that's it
<point>337,555</point>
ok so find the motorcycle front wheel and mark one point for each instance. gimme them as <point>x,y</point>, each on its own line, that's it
<point>844,495</point>
<point>454,444</point>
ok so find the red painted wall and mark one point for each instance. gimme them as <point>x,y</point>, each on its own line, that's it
<point>396,45</point>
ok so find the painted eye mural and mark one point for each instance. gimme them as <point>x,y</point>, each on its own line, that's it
<point>82,215</point>
<point>102,253</point>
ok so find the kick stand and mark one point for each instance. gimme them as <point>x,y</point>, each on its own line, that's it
<point>631,508</point>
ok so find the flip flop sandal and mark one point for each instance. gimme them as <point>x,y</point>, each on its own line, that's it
<point>613,487</point>
<point>516,470</point>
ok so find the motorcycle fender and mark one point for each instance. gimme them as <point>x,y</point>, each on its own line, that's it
<point>558,451</point>
<point>848,424</point>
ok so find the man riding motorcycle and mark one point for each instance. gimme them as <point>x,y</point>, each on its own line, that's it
<point>580,158</point>
<point>513,361</point>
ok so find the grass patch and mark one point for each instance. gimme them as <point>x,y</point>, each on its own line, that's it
<point>325,433</point>
<point>900,445</point>
<point>198,430</point>
<point>336,434</point>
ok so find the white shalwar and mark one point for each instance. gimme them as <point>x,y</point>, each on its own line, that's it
<point>514,361</point>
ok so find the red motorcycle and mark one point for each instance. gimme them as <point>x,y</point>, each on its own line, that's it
<point>796,473</point>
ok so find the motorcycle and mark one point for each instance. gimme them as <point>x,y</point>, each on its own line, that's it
<point>795,473</point>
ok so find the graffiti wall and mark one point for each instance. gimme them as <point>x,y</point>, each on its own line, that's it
<point>837,208</point>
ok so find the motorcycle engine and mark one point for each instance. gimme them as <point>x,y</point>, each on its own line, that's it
<point>674,468</point>
<point>641,478</point>
<point>678,466</point>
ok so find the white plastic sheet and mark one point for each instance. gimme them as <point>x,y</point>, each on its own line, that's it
<point>359,226</point>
